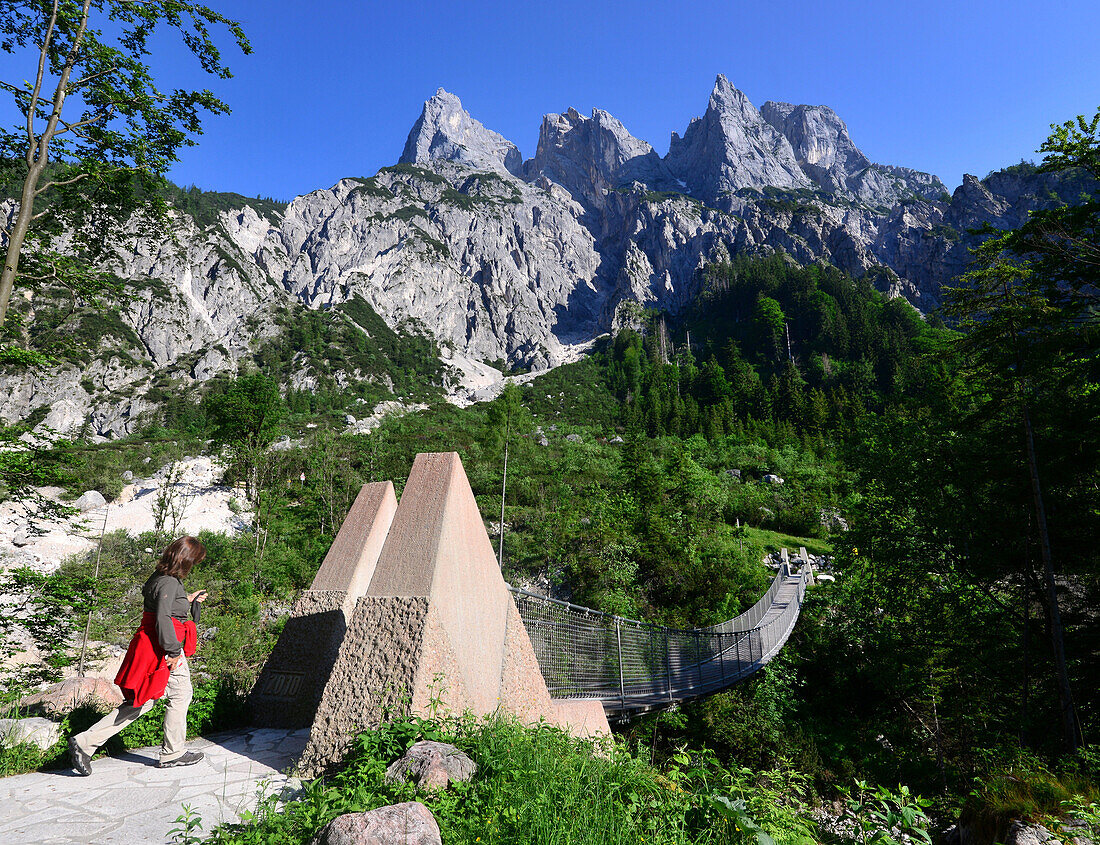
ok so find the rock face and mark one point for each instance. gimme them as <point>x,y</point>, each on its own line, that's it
<point>410,823</point>
<point>590,156</point>
<point>497,259</point>
<point>446,132</point>
<point>484,262</point>
<point>730,147</point>
<point>826,154</point>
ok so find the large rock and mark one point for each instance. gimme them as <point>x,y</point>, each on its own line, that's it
<point>90,500</point>
<point>1026,833</point>
<point>432,766</point>
<point>61,699</point>
<point>410,823</point>
<point>446,132</point>
<point>36,731</point>
<point>731,147</point>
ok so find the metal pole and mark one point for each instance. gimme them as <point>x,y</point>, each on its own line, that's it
<point>668,665</point>
<point>722,656</point>
<point>698,659</point>
<point>622,683</point>
<point>503,487</point>
<point>95,586</point>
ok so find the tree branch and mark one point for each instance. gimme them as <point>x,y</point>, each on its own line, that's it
<point>60,183</point>
<point>32,106</point>
<point>80,124</point>
<point>92,76</point>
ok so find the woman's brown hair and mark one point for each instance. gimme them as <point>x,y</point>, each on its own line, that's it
<point>180,557</point>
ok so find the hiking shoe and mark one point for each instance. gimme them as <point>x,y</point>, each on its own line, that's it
<point>81,761</point>
<point>188,758</point>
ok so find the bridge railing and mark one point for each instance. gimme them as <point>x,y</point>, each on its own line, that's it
<point>635,666</point>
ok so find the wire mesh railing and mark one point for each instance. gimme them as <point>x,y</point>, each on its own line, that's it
<point>634,667</point>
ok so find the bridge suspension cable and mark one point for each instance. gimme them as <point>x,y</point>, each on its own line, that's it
<point>634,667</point>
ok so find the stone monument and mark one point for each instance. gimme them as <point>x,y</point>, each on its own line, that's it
<point>408,614</point>
<point>290,685</point>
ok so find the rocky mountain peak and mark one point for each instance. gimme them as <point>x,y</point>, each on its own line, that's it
<point>827,154</point>
<point>590,156</point>
<point>731,147</point>
<point>817,134</point>
<point>727,99</point>
<point>445,131</point>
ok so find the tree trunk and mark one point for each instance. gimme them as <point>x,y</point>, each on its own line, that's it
<point>1026,691</point>
<point>1071,732</point>
<point>38,150</point>
<point>18,236</point>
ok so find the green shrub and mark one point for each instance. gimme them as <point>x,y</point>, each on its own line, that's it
<point>537,785</point>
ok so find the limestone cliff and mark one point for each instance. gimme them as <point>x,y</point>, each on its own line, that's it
<point>500,259</point>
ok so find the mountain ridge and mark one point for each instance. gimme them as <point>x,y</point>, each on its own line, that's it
<point>496,258</point>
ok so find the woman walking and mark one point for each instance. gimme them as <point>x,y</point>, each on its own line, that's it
<point>156,661</point>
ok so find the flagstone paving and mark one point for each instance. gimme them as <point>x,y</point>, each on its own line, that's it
<point>127,800</point>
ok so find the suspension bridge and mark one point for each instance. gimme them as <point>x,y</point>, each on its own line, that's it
<point>633,667</point>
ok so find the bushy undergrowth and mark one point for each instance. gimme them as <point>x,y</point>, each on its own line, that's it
<point>541,786</point>
<point>1025,787</point>
<point>237,635</point>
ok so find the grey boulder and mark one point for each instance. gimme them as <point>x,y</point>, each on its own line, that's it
<point>90,500</point>
<point>432,766</point>
<point>61,699</point>
<point>35,731</point>
<point>1024,833</point>
<point>410,823</point>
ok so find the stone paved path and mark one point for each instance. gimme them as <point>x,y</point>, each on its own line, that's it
<point>128,801</point>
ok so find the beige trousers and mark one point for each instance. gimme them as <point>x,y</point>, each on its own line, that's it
<point>178,694</point>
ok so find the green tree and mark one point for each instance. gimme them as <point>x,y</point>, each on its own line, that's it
<point>1032,342</point>
<point>96,131</point>
<point>245,418</point>
<point>506,414</point>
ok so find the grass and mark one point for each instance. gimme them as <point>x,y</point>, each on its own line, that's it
<point>1028,789</point>
<point>216,706</point>
<point>773,541</point>
<point>533,785</point>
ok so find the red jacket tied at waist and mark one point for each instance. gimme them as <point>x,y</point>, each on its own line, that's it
<point>143,675</point>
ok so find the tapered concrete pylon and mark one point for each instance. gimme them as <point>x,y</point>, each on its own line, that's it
<point>437,630</point>
<point>292,680</point>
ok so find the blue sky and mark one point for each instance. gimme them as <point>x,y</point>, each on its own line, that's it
<point>332,88</point>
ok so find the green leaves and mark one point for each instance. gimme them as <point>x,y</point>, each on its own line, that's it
<point>882,817</point>
<point>97,130</point>
<point>247,413</point>
<point>1075,143</point>
<point>745,830</point>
